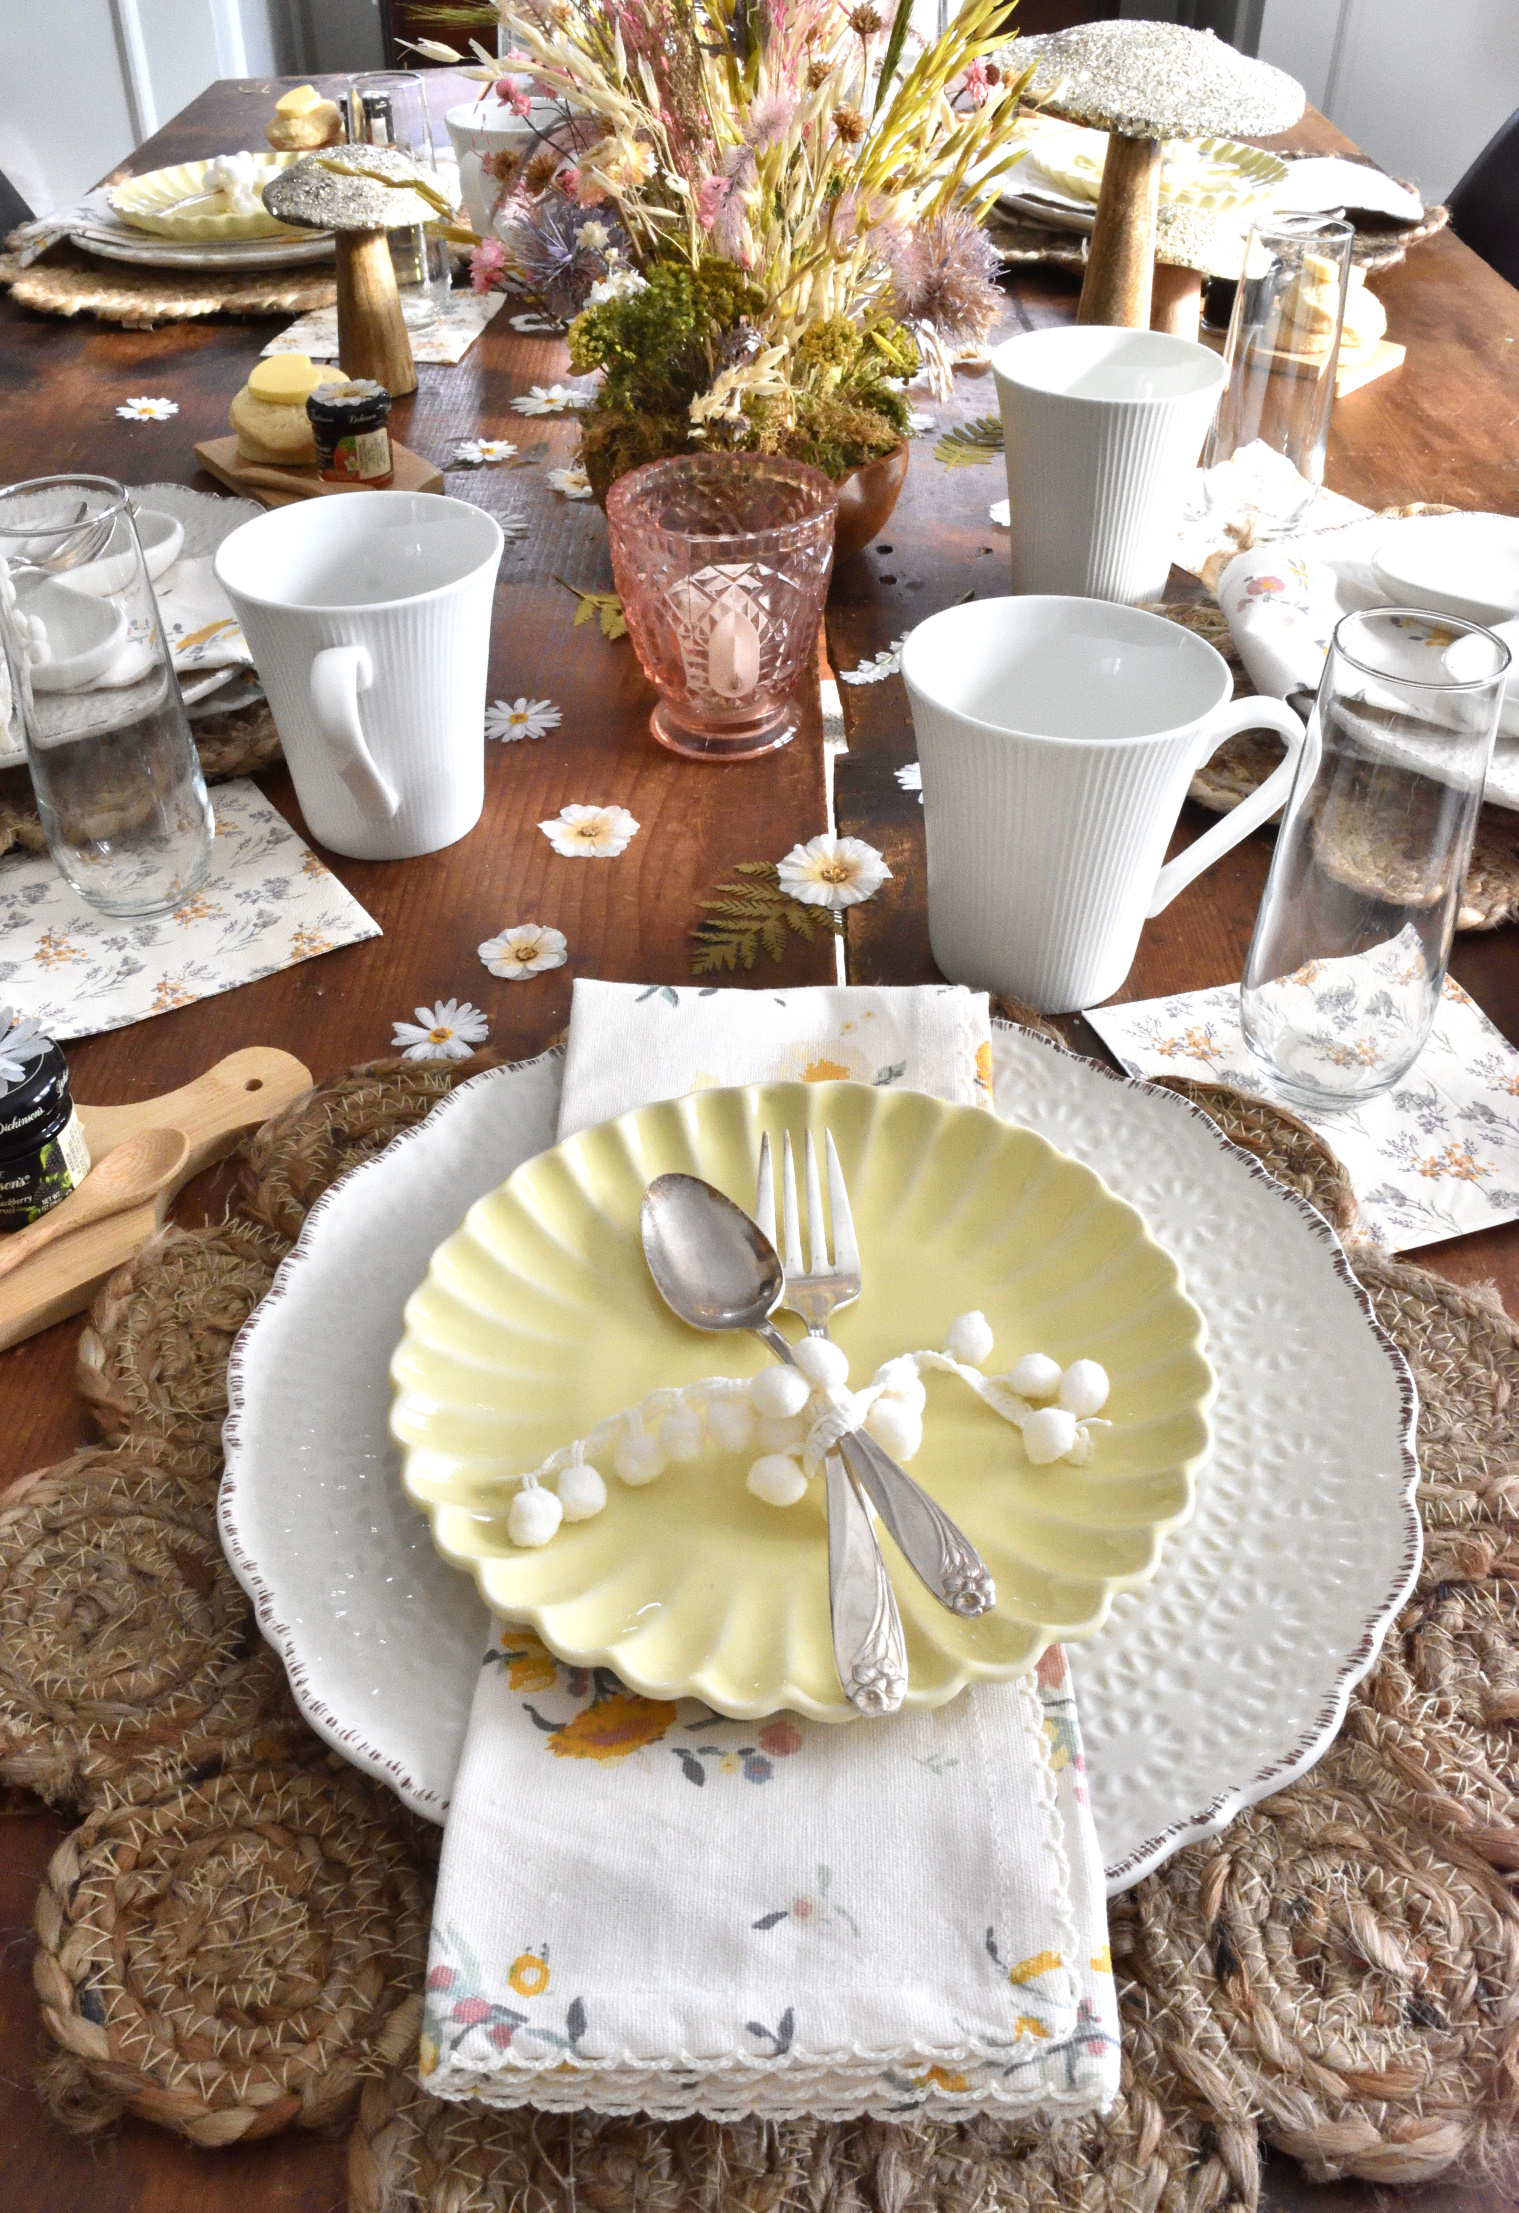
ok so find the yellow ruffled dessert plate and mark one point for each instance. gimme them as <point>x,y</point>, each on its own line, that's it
<point>175,203</point>
<point>538,1319</point>
<point>1213,173</point>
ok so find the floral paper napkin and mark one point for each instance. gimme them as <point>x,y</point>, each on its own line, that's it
<point>445,341</point>
<point>643,1907</point>
<point>1435,1157</point>
<point>268,904</point>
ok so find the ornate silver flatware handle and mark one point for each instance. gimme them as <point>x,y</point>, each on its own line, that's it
<point>939,1552</point>
<point>868,1645</point>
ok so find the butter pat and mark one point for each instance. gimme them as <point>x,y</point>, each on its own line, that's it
<point>287,379</point>
<point>299,102</point>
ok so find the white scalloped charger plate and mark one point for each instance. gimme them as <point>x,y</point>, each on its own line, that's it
<point>1223,1679</point>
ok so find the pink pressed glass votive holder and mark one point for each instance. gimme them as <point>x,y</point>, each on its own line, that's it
<point>721,562</point>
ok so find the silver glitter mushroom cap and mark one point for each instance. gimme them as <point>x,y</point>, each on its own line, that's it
<point>354,188</point>
<point>1144,83</point>
<point>1158,80</point>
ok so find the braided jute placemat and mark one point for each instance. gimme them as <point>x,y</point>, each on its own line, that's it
<point>67,282</point>
<point>233,1941</point>
<point>1489,896</point>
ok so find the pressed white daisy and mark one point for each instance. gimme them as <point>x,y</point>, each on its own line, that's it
<point>21,1040</point>
<point>918,422</point>
<point>572,482</point>
<point>448,1030</point>
<point>832,872</point>
<point>474,453</point>
<point>881,665</point>
<point>146,410</point>
<point>530,322</point>
<point>911,778</point>
<point>592,833</point>
<point>558,399</point>
<point>510,719</point>
<point>525,950</point>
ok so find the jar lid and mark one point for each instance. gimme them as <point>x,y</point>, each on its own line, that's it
<point>340,403</point>
<point>29,1108</point>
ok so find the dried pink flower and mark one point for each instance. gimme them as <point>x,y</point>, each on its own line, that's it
<point>711,198</point>
<point>486,262</point>
<point>977,83</point>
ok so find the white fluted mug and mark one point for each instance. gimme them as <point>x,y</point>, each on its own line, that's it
<point>1102,429</point>
<point>1057,739</point>
<point>368,617</point>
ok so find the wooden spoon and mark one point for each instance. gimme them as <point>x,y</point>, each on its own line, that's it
<point>129,1173</point>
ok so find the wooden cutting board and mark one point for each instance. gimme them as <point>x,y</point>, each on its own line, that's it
<point>214,1112</point>
<point>276,487</point>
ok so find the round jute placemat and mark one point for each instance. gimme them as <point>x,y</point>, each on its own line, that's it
<point>1490,895</point>
<point>67,283</point>
<point>237,743</point>
<point>233,1941</point>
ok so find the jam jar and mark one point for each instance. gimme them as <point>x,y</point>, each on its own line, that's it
<point>352,442</point>
<point>43,1154</point>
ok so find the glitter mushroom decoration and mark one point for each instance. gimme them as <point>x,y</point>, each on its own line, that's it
<point>1143,83</point>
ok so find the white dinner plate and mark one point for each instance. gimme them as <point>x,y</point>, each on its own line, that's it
<point>114,240</point>
<point>1213,1687</point>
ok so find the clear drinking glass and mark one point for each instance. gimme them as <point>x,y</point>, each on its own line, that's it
<point>721,561</point>
<point>1267,444</point>
<point>1354,931</point>
<point>118,781</point>
<point>388,107</point>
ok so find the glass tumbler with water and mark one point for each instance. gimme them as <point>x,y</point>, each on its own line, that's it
<point>1354,932</point>
<point>1266,448</point>
<point>93,695</point>
<point>388,107</point>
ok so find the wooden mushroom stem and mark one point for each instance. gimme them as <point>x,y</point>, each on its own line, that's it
<point>1177,305</point>
<point>372,335</point>
<point>1121,258</point>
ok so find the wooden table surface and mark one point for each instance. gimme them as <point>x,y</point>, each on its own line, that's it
<point>1441,429</point>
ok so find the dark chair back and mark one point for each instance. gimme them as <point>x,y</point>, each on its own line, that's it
<point>13,209</point>
<point>1484,208</point>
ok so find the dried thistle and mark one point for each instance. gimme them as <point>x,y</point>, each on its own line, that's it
<point>943,274</point>
<point>850,124</point>
<point>863,21</point>
<point>818,73</point>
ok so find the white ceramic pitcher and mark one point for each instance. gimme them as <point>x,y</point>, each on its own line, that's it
<point>368,617</point>
<point>1057,739</point>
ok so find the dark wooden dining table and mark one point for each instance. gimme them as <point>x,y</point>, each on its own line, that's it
<point>1441,429</point>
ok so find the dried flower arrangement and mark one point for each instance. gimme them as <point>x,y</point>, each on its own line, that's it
<point>759,217</point>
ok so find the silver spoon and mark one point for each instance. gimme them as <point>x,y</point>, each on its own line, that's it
<point>715,1269</point>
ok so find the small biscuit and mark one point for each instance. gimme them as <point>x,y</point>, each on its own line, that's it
<point>276,432</point>
<point>319,126</point>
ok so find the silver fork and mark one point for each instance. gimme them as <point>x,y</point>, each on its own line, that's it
<point>935,1548</point>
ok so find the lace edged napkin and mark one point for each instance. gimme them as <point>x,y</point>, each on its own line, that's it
<point>643,1907</point>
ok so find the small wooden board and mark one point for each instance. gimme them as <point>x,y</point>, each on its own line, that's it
<point>1351,375</point>
<point>214,1112</point>
<point>276,487</point>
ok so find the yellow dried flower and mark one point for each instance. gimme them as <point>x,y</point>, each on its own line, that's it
<point>850,124</point>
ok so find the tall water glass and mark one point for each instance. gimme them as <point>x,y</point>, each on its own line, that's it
<point>1267,444</point>
<point>1354,931</point>
<point>388,107</point>
<point>114,767</point>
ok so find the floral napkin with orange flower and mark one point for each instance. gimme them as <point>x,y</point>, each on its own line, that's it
<point>644,1907</point>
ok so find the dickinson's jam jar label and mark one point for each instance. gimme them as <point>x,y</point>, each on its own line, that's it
<point>348,422</point>
<point>43,1154</point>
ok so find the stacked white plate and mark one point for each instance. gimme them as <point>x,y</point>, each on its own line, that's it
<point>100,230</point>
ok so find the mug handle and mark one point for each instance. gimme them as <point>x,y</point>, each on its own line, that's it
<point>338,674</point>
<point>1245,714</point>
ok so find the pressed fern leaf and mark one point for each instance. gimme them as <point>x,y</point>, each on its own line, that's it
<point>967,442</point>
<point>605,606</point>
<point>745,918</point>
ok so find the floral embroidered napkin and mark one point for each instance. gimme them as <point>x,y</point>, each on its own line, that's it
<point>267,904</point>
<point>1283,601</point>
<point>643,1907</point>
<point>1435,1157</point>
<point>447,340</point>
<point>630,1044</point>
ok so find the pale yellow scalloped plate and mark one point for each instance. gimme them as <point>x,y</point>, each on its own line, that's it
<point>538,1319</point>
<point>1216,173</point>
<point>153,203</point>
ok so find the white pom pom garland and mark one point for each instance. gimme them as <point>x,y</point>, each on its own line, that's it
<point>779,1392</point>
<point>1048,1434</point>
<point>824,1364</point>
<point>970,1339</point>
<point>729,1414</point>
<point>1083,1388</point>
<point>1036,1376</point>
<point>777,1479</point>
<point>581,1492</point>
<point>534,1516</point>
